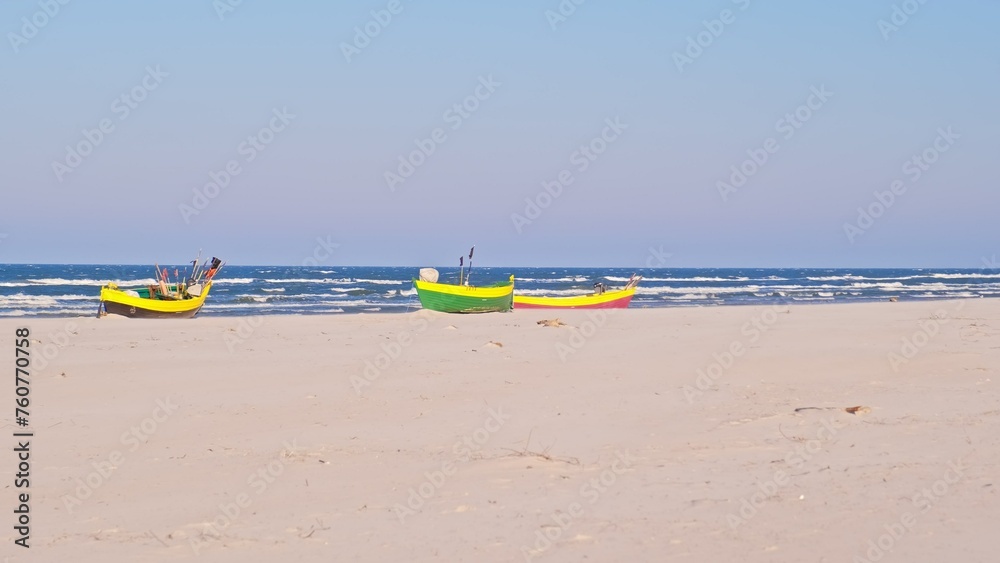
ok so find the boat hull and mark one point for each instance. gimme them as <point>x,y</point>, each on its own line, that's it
<point>448,298</point>
<point>117,302</point>
<point>134,312</point>
<point>607,300</point>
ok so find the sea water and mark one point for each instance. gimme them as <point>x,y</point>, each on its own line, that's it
<point>53,290</point>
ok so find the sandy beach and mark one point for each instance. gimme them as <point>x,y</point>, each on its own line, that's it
<point>687,434</point>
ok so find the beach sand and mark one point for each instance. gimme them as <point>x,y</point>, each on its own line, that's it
<point>431,437</point>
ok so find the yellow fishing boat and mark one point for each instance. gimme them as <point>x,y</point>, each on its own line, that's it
<point>161,300</point>
<point>601,298</point>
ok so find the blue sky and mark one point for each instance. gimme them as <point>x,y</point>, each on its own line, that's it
<point>531,90</point>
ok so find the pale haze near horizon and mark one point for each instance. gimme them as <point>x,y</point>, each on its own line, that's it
<point>554,85</point>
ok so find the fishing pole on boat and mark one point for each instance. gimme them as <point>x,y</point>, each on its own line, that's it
<point>461,269</point>
<point>160,278</point>
<point>194,268</point>
<point>469,274</point>
<point>201,271</point>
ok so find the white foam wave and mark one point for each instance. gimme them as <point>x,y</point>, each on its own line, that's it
<point>254,305</point>
<point>64,281</point>
<point>22,300</point>
<point>694,279</point>
<point>380,282</point>
<point>963,276</point>
<point>702,290</point>
<point>882,285</point>
<point>335,281</point>
<point>551,292</point>
<point>835,278</point>
<point>50,312</point>
<point>26,298</point>
<point>399,293</point>
<point>288,305</point>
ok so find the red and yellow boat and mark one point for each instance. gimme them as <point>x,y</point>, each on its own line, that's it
<point>599,299</point>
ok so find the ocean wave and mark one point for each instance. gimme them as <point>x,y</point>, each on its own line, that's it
<point>251,299</point>
<point>380,282</point>
<point>789,287</point>
<point>79,312</point>
<point>709,279</point>
<point>551,292</point>
<point>100,283</point>
<point>22,300</point>
<point>943,287</point>
<point>882,285</point>
<point>295,298</point>
<point>963,276</point>
<point>565,279</point>
<point>292,280</point>
<point>704,290</point>
<point>835,278</point>
<point>694,279</point>
<point>360,292</point>
<point>273,289</point>
<point>392,293</point>
<point>850,277</point>
<point>19,297</point>
<point>360,303</point>
<point>248,305</point>
<point>334,281</point>
<point>64,281</point>
<point>297,305</point>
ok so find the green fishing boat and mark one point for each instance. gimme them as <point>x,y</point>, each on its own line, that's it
<point>449,298</point>
<point>463,298</point>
